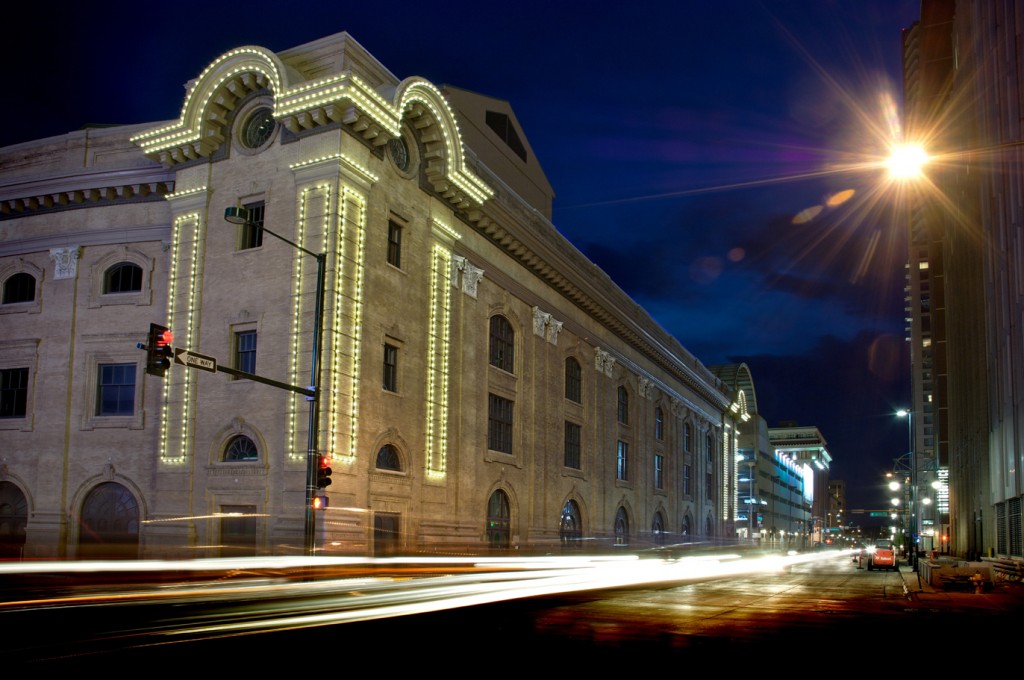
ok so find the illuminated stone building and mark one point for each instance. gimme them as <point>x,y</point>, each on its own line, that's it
<point>483,385</point>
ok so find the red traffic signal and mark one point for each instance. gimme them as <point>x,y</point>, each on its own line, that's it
<point>158,350</point>
<point>323,472</point>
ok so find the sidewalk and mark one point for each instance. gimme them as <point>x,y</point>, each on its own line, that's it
<point>1003,597</point>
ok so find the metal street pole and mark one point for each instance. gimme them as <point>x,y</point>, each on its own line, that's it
<point>239,215</point>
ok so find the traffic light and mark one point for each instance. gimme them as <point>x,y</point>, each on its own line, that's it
<point>158,350</point>
<point>323,472</point>
<point>319,502</point>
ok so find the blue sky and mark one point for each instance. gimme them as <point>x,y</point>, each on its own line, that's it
<point>682,140</point>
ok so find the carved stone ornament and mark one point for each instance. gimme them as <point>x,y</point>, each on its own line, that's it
<point>604,362</point>
<point>645,387</point>
<point>554,328</point>
<point>65,261</point>
<point>471,276</point>
<point>540,320</point>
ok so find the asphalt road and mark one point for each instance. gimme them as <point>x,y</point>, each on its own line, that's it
<point>826,611</point>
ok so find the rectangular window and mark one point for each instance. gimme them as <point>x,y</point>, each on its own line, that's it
<point>499,423</point>
<point>115,390</point>
<point>250,234</point>
<point>394,243</point>
<point>572,445</point>
<point>710,491</point>
<point>622,462</point>
<point>573,380</point>
<point>390,368</point>
<point>245,351</point>
<point>659,476</point>
<point>659,423</point>
<point>687,484</point>
<point>13,392</point>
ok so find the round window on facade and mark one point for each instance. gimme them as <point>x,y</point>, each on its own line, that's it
<point>258,128</point>
<point>398,150</point>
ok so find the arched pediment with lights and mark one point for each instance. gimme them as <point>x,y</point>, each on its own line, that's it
<point>205,115</point>
<point>425,108</point>
<point>737,377</point>
<point>301,104</point>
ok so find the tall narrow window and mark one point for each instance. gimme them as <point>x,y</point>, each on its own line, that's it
<point>622,462</point>
<point>124,277</point>
<point>115,390</point>
<point>687,438</point>
<point>659,424</point>
<point>250,234</point>
<point>573,380</point>
<point>659,472</point>
<point>572,445</point>
<point>499,423</point>
<point>245,351</point>
<point>394,243</point>
<point>502,346</point>
<point>623,405</point>
<point>687,482</point>
<point>13,392</point>
<point>390,368</point>
<point>709,444</point>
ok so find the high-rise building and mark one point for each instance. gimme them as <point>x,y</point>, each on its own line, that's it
<point>963,67</point>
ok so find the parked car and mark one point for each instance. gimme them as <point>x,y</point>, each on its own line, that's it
<point>882,555</point>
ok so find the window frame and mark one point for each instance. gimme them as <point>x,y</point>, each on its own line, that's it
<point>502,344</point>
<point>572,445</point>
<point>100,296</point>
<point>659,423</point>
<point>622,405</point>
<point>573,380</point>
<point>250,234</point>
<point>389,379</point>
<point>7,288</point>
<point>241,354</point>
<point>19,393</point>
<point>121,387</point>
<point>659,471</point>
<point>393,254</point>
<point>116,269</point>
<point>500,423</point>
<point>230,445</point>
<point>621,461</point>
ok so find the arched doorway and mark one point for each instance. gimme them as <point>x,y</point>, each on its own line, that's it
<point>658,528</point>
<point>499,520</point>
<point>621,527</point>
<point>13,519</point>
<point>570,527</point>
<point>109,524</point>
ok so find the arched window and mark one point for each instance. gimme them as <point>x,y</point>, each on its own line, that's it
<point>387,459</point>
<point>570,527</point>
<point>623,405</point>
<point>240,449</point>
<point>573,380</point>
<point>123,277</point>
<point>503,340</point>
<point>621,527</point>
<point>498,520</point>
<point>19,288</point>
<point>109,523</point>
<point>658,528</point>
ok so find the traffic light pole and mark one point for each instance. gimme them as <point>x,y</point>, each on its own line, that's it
<point>313,453</point>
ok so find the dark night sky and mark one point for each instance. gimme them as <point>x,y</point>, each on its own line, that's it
<point>699,152</point>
